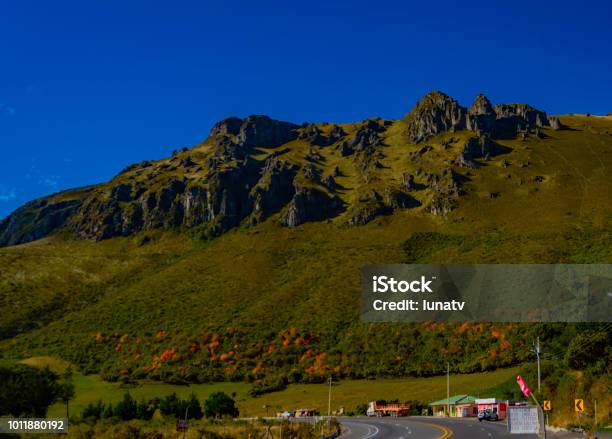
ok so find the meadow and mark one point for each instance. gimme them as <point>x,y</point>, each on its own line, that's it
<point>345,393</point>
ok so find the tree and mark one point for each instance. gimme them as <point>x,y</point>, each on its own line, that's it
<point>194,408</point>
<point>66,389</point>
<point>220,404</point>
<point>170,405</point>
<point>145,410</point>
<point>93,411</point>
<point>108,412</point>
<point>26,390</point>
<point>585,348</point>
<point>126,408</point>
<point>361,409</point>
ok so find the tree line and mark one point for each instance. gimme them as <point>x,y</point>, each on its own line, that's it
<point>217,405</point>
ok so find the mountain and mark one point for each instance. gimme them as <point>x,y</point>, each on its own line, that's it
<point>250,169</point>
<point>239,258</point>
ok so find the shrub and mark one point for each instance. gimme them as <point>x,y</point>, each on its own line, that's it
<point>220,404</point>
<point>93,411</point>
<point>126,408</point>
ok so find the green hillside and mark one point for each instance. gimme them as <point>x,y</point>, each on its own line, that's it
<point>267,292</point>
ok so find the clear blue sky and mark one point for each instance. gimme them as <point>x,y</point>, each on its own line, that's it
<point>86,89</point>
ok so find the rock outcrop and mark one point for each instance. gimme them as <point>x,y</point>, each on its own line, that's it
<point>434,114</point>
<point>254,131</point>
<point>513,118</point>
<point>476,147</point>
<point>555,123</point>
<point>310,204</point>
<point>273,190</point>
<point>36,219</point>
<point>315,135</point>
<point>481,116</point>
<point>438,113</point>
<point>373,204</point>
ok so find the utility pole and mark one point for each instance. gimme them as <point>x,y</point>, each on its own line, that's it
<point>447,389</point>
<point>538,351</point>
<point>329,408</point>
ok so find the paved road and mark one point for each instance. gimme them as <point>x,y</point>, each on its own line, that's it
<point>387,428</point>
<point>415,427</point>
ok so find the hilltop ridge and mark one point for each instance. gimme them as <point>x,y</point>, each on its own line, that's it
<point>251,169</point>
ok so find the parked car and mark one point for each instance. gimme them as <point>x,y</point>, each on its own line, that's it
<point>487,415</point>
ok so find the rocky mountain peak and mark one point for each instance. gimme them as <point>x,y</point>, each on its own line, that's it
<point>481,116</point>
<point>253,131</point>
<point>438,113</point>
<point>481,106</point>
<point>259,130</point>
<point>230,125</point>
<point>435,113</point>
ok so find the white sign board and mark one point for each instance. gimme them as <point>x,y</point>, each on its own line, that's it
<point>523,420</point>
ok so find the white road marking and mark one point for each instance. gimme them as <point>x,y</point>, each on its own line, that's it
<point>374,433</point>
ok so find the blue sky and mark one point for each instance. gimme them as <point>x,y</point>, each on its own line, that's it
<point>89,87</point>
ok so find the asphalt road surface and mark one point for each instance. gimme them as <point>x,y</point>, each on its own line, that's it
<point>415,427</point>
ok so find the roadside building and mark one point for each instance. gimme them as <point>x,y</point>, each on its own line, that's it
<point>461,406</point>
<point>304,413</point>
<point>382,408</point>
<point>493,405</point>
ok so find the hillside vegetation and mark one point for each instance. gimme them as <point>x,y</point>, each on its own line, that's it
<point>239,260</point>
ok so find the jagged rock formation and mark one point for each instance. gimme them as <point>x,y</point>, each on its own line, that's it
<point>310,204</point>
<point>316,136</point>
<point>438,113</point>
<point>512,118</point>
<point>441,205</point>
<point>555,123</point>
<point>36,220</point>
<point>256,131</point>
<point>475,147</point>
<point>481,116</point>
<point>253,169</point>
<point>434,114</point>
<point>273,190</point>
<point>374,204</point>
<point>365,140</point>
<point>448,182</point>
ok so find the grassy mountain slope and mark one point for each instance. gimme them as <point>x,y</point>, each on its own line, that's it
<point>264,301</point>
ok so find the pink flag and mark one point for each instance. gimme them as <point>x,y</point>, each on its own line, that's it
<point>523,385</point>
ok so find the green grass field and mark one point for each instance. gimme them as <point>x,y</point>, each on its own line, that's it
<point>346,393</point>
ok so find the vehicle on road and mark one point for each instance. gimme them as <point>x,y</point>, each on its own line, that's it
<point>488,415</point>
<point>382,408</point>
<point>286,414</point>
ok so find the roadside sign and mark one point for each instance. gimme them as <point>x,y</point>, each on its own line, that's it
<point>181,425</point>
<point>523,420</point>
<point>579,405</point>
<point>546,406</point>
